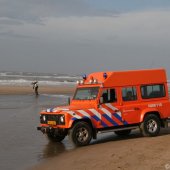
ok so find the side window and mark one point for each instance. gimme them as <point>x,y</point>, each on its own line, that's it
<point>129,93</point>
<point>109,96</point>
<point>152,91</point>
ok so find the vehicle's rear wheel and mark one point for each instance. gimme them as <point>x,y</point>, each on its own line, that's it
<point>55,137</point>
<point>150,126</point>
<point>123,132</point>
<point>80,134</point>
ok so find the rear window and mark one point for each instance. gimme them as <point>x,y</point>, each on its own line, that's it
<point>129,93</point>
<point>152,91</point>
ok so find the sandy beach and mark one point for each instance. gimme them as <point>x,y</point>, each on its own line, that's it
<point>5,90</point>
<point>112,153</point>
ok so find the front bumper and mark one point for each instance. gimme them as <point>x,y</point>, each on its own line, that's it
<point>45,129</point>
<point>49,129</point>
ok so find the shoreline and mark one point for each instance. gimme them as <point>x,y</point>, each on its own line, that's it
<point>8,90</point>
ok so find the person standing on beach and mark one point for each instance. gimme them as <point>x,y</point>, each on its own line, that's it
<point>35,87</point>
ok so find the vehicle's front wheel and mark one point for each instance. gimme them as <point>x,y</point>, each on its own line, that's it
<point>150,126</point>
<point>80,134</point>
<point>123,132</point>
<point>54,137</point>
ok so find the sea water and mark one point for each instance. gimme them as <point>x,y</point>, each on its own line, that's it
<point>25,78</point>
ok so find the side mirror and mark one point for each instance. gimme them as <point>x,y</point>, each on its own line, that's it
<point>69,101</point>
<point>101,100</point>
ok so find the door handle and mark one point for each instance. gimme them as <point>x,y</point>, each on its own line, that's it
<point>136,108</point>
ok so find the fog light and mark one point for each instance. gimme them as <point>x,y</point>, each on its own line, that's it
<point>81,81</point>
<point>91,81</point>
<point>95,81</point>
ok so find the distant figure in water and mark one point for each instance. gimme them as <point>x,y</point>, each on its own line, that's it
<point>35,87</point>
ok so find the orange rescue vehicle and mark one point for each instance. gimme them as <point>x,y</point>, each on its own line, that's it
<point>118,101</point>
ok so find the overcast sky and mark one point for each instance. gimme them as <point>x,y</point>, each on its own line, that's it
<point>82,36</point>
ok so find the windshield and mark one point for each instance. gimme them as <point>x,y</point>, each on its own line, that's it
<point>89,93</point>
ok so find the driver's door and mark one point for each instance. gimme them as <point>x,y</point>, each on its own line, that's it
<point>110,114</point>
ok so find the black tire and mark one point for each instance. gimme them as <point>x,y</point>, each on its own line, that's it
<point>151,125</point>
<point>80,134</point>
<point>55,138</point>
<point>123,132</point>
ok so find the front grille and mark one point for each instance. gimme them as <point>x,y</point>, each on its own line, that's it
<point>48,117</point>
<point>53,118</point>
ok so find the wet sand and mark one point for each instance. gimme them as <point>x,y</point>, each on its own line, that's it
<point>21,145</point>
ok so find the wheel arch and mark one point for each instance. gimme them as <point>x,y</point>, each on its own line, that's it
<point>148,112</point>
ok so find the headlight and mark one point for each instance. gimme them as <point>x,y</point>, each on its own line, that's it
<point>44,118</point>
<point>62,119</point>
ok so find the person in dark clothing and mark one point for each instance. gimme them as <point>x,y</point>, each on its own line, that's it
<point>35,87</point>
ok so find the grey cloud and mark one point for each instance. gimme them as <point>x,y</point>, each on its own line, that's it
<point>35,10</point>
<point>79,44</point>
<point>8,21</point>
<point>12,34</point>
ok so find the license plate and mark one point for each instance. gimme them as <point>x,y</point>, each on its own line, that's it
<point>51,122</point>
